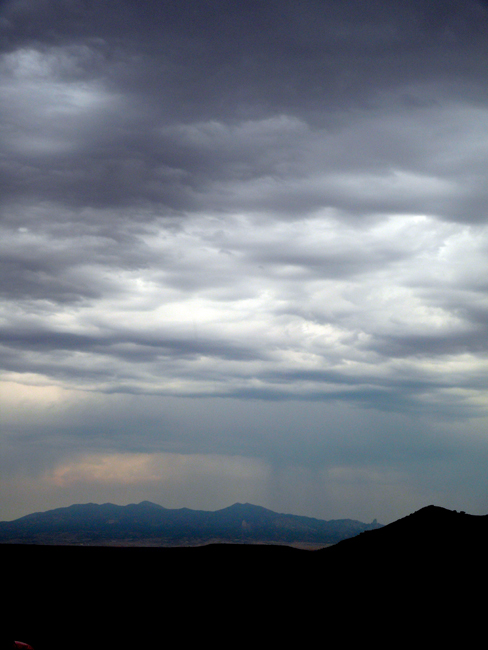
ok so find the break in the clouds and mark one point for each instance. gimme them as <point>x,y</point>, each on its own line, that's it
<point>247,239</point>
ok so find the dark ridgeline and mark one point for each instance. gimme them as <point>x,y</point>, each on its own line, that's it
<point>148,523</point>
<point>413,583</point>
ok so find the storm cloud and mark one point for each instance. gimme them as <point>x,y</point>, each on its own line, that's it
<point>244,239</point>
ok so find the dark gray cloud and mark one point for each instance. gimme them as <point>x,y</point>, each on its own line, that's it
<point>248,235</point>
<point>176,68</point>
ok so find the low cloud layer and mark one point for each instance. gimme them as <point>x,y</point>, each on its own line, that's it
<point>255,234</point>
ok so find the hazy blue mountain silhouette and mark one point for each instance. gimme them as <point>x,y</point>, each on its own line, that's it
<point>92,523</point>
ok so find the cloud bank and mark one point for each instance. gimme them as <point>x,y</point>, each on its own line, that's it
<point>249,233</point>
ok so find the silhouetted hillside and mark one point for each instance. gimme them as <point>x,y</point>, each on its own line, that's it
<point>432,534</point>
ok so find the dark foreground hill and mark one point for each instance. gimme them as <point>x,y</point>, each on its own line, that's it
<point>146,524</point>
<point>418,582</point>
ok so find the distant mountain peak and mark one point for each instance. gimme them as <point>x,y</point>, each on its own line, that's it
<point>150,504</point>
<point>239,507</point>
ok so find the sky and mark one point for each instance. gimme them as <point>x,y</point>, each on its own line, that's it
<point>244,255</point>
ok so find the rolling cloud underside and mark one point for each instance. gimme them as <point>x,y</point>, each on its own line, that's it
<point>247,201</point>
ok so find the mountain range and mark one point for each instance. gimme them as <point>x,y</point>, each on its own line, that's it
<point>147,523</point>
<point>413,583</point>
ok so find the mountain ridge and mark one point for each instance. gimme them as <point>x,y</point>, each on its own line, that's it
<point>239,522</point>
